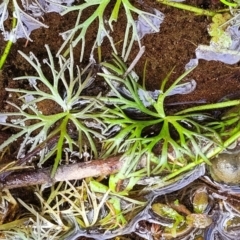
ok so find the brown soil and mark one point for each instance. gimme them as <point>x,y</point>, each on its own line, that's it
<point>173,46</point>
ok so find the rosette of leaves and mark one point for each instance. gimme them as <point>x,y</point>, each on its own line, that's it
<point>64,89</point>
<point>144,130</point>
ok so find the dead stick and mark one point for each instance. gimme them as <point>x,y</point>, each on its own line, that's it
<point>65,172</point>
<point>22,161</point>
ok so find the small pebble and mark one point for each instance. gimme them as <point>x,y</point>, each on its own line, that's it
<point>226,168</point>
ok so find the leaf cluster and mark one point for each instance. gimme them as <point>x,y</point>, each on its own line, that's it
<point>69,124</point>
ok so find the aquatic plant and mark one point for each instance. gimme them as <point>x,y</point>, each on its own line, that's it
<point>27,19</point>
<point>41,221</point>
<point>67,125</point>
<point>129,119</point>
<point>148,22</point>
<point>144,131</point>
<point>69,208</point>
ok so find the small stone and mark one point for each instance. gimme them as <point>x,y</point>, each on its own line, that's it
<point>226,168</point>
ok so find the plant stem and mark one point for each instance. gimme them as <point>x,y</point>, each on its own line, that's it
<point>60,143</point>
<point>230,4</point>
<point>209,155</point>
<point>65,172</point>
<point>210,106</point>
<point>189,8</point>
<point>8,46</point>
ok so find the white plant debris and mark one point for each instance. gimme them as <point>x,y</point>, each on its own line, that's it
<point>32,82</point>
<point>210,53</point>
<point>34,7</point>
<point>94,124</point>
<point>23,146</point>
<point>148,98</point>
<point>149,181</point>
<point>184,88</point>
<point>25,23</point>
<point>72,155</point>
<point>228,54</point>
<point>143,26</point>
<point>37,8</point>
<point>226,48</point>
<point>28,17</point>
<point>29,100</point>
<point>3,119</point>
<point>18,121</point>
<point>57,5</point>
<point>191,64</point>
<point>3,13</point>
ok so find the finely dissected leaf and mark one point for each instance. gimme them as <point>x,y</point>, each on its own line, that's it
<point>149,21</point>
<point>181,138</point>
<point>74,109</point>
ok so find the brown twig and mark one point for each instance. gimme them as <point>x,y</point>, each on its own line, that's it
<point>65,172</point>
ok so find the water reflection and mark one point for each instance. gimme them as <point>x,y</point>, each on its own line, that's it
<point>194,207</point>
<point>151,194</point>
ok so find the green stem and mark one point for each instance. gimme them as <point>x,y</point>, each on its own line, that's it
<point>210,106</point>
<point>230,4</point>
<point>8,46</point>
<point>211,154</point>
<point>60,143</point>
<point>196,10</point>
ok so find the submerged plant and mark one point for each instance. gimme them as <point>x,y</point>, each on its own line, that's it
<point>66,208</point>
<point>68,125</point>
<point>42,221</point>
<point>147,23</point>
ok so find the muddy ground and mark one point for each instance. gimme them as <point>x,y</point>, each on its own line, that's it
<point>173,46</point>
